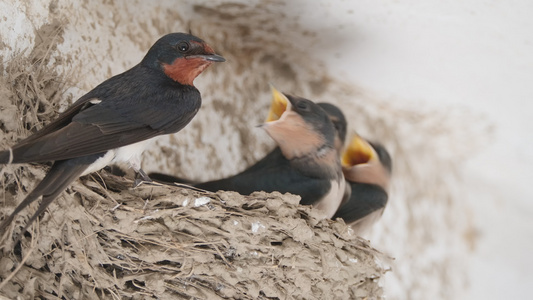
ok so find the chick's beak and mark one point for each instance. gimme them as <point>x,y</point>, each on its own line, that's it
<point>277,106</point>
<point>358,152</point>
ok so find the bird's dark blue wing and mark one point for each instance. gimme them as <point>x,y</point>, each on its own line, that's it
<point>272,173</point>
<point>364,200</point>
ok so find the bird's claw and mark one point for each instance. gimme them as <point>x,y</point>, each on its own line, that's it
<point>142,177</point>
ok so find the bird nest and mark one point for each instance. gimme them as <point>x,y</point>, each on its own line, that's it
<point>103,239</point>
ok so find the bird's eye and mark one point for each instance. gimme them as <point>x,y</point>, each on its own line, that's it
<point>302,105</point>
<point>183,46</point>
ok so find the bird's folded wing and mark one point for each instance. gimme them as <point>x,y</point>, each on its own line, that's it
<point>270,178</point>
<point>364,200</point>
<point>96,129</point>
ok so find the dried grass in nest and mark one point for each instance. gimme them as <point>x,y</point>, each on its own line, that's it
<point>31,93</point>
<point>168,242</point>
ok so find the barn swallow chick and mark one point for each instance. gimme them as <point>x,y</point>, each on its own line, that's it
<point>115,121</point>
<point>278,106</point>
<point>367,168</point>
<point>305,162</point>
<point>306,138</point>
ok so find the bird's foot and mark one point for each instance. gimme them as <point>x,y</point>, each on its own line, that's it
<point>141,178</point>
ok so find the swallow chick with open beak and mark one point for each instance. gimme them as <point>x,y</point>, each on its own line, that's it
<point>279,104</point>
<point>367,168</point>
<point>115,121</point>
<point>306,138</point>
<point>305,163</point>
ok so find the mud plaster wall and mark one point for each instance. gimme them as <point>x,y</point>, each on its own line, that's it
<point>425,226</point>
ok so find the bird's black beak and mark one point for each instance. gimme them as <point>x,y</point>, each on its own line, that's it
<point>209,57</point>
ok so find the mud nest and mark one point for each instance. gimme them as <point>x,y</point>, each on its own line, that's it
<point>104,240</point>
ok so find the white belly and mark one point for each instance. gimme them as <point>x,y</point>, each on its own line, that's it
<point>131,154</point>
<point>100,163</point>
<point>331,202</point>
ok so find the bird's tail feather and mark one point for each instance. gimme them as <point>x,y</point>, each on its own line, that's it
<point>169,179</point>
<point>58,178</point>
<point>6,156</point>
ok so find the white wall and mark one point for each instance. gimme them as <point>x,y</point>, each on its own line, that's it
<point>470,55</point>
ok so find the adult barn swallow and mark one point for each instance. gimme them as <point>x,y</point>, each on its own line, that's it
<point>115,121</point>
<point>305,163</point>
<point>367,168</point>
